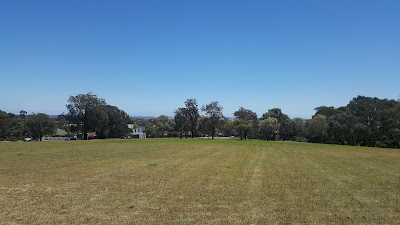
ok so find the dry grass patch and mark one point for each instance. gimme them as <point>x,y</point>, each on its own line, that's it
<point>175,181</point>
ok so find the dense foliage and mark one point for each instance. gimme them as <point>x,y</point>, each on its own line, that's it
<point>364,121</point>
<point>92,114</point>
<point>16,127</point>
<point>86,113</point>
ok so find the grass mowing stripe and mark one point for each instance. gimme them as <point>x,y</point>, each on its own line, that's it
<point>174,181</point>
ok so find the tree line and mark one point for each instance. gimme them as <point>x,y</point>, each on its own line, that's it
<point>16,127</point>
<point>364,121</point>
<point>89,113</point>
<point>86,113</point>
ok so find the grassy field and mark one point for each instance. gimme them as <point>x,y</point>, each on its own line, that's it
<point>173,181</point>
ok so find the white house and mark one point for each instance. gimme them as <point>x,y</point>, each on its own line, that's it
<point>137,131</point>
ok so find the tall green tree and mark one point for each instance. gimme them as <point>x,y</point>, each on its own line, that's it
<point>269,128</point>
<point>163,124</point>
<point>228,127</point>
<point>41,124</point>
<point>117,122</point>
<point>391,127</point>
<point>12,127</point>
<point>181,124</point>
<point>317,129</point>
<point>192,115</point>
<point>299,129</point>
<point>285,125</point>
<point>81,111</point>
<point>214,112</point>
<point>5,124</point>
<point>368,113</point>
<point>98,121</point>
<point>245,122</point>
<point>204,125</point>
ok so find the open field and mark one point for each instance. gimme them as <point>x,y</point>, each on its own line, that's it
<point>176,181</point>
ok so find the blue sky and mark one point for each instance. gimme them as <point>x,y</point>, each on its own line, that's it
<point>148,57</point>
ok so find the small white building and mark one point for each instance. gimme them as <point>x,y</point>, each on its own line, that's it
<point>137,131</point>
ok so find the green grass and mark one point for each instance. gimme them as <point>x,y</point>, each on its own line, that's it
<point>173,181</point>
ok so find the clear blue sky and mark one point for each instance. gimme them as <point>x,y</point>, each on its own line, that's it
<point>148,57</point>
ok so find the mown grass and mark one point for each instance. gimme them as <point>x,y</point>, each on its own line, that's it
<point>173,181</point>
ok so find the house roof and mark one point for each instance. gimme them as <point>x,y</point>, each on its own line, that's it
<point>132,126</point>
<point>61,132</point>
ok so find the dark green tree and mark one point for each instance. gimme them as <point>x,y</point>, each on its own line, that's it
<point>299,129</point>
<point>245,122</point>
<point>163,125</point>
<point>41,124</point>
<point>228,127</point>
<point>342,127</point>
<point>368,113</point>
<point>117,122</point>
<point>391,127</point>
<point>192,115</point>
<point>5,124</point>
<point>285,128</point>
<point>181,124</point>
<point>317,129</point>
<point>12,127</point>
<point>204,125</point>
<point>214,112</point>
<point>81,111</point>
<point>269,128</point>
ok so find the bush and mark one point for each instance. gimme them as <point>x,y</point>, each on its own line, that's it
<point>301,139</point>
<point>13,139</point>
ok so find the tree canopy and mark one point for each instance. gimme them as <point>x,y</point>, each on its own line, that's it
<point>192,115</point>
<point>245,122</point>
<point>84,111</point>
<point>364,121</point>
<point>41,124</point>
<point>214,112</point>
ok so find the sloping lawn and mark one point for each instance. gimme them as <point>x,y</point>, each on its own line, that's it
<point>174,181</point>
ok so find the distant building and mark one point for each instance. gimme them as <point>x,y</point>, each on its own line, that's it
<point>137,131</point>
<point>59,135</point>
<point>91,134</point>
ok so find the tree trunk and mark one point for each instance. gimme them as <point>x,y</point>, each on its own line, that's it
<point>85,135</point>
